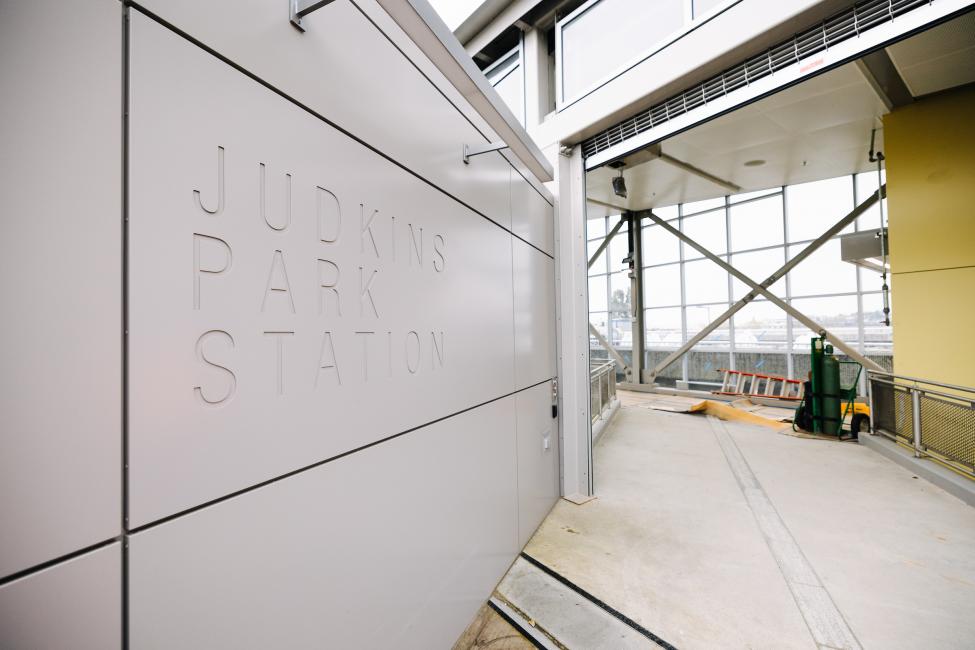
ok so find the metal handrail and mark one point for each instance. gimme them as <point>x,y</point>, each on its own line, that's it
<point>600,374</point>
<point>933,436</point>
<point>926,391</point>
<point>928,382</point>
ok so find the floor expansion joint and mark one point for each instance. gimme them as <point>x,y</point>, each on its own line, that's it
<point>570,615</point>
<point>826,623</point>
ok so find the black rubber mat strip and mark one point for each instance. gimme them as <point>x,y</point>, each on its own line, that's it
<point>588,596</point>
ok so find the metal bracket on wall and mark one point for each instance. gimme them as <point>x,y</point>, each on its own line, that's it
<point>478,149</point>
<point>301,8</point>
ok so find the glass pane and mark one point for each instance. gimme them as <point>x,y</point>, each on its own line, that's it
<point>760,326</point>
<point>600,322</point>
<point>701,206</point>
<point>756,224</point>
<point>599,266</point>
<point>878,338</point>
<point>705,365</point>
<point>621,332</point>
<point>705,281</point>
<point>765,362</point>
<point>619,294</point>
<point>867,185</point>
<point>700,317</point>
<point>659,246</point>
<point>838,314</point>
<point>663,328</point>
<point>701,7</point>
<point>661,286</point>
<point>666,213</point>
<point>597,293</point>
<point>619,248</point>
<point>708,230</point>
<point>512,90</point>
<point>595,228</point>
<point>611,33</point>
<point>757,265</point>
<point>822,272</point>
<point>744,196</point>
<point>814,207</point>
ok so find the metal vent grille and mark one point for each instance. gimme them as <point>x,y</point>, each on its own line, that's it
<point>845,25</point>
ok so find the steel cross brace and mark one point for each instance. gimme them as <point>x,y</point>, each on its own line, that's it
<point>609,348</point>
<point>763,287</point>
<point>606,241</point>
<point>599,337</point>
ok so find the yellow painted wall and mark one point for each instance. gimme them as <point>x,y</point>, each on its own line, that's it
<point>930,150</point>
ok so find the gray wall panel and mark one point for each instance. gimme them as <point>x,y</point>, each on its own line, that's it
<point>75,604</point>
<point>393,546</point>
<point>532,217</point>
<point>538,458</point>
<point>333,68</point>
<point>60,277</point>
<point>245,361</point>
<point>534,315</point>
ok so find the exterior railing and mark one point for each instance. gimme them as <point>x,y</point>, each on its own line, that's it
<point>602,387</point>
<point>936,419</point>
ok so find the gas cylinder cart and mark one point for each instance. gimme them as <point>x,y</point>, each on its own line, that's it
<point>825,402</point>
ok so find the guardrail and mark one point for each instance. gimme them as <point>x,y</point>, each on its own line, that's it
<point>602,388</point>
<point>935,418</point>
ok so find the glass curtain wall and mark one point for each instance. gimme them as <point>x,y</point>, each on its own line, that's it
<point>757,233</point>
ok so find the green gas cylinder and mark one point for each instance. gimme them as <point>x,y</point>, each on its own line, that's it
<point>830,390</point>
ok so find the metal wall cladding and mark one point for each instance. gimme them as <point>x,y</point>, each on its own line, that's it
<point>75,604</point>
<point>394,546</point>
<point>532,217</point>
<point>538,458</point>
<point>345,69</point>
<point>61,279</point>
<point>293,295</point>
<point>534,314</point>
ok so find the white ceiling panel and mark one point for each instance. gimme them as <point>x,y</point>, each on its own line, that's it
<point>818,129</point>
<point>938,59</point>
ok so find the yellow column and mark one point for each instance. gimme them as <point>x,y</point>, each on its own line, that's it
<point>930,150</point>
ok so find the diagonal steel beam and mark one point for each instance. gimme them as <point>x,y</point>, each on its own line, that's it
<point>609,348</point>
<point>763,287</point>
<point>605,242</point>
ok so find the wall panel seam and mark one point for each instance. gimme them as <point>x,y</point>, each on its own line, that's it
<point>449,101</point>
<point>124,559</point>
<point>23,573</point>
<point>209,50</point>
<point>946,268</point>
<point>311,466</point>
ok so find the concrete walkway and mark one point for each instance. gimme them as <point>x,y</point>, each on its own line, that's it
<point>734,536</point>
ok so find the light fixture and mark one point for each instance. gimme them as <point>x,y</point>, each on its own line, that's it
<point>619,185</point>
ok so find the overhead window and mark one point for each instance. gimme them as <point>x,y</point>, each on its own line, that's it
<point>703,7</point>
<point>604,35</point>
<point>507,76</point>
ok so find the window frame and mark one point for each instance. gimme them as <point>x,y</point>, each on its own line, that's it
<point>505,65</point>
<point>690,23</point>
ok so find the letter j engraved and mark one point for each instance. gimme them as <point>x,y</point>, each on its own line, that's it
<point>220,188</point>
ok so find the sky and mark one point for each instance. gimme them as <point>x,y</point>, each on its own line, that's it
<point>454,12</point>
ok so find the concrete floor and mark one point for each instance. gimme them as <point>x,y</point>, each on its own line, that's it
<point>488,630</point>
<point>673,543</point>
